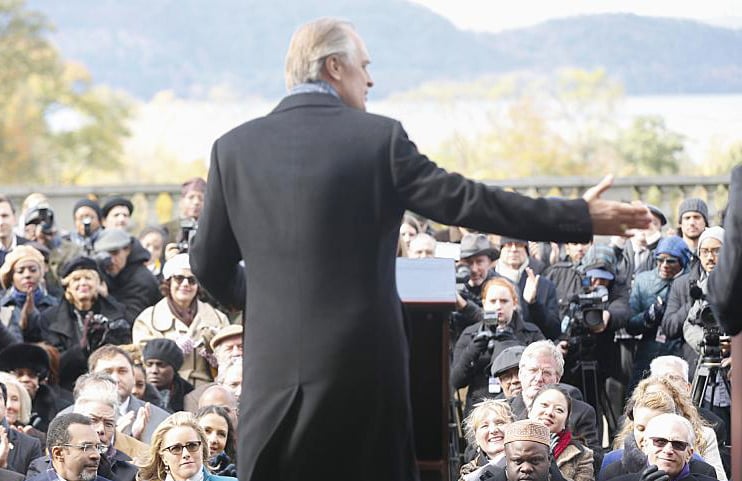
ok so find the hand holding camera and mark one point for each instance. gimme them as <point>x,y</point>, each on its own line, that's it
<point>653,315</point>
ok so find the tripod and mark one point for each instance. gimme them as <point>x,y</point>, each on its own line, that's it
<point>585,376</point>
<point>708,369</point>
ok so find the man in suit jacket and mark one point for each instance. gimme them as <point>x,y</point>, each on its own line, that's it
<point>8,239</point>
<point>117,363</point>
<point>311,197</point>
<point>541,364</point>
<point>73,447</point>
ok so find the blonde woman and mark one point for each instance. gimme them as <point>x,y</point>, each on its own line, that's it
<point>483,429</point>
<point>18,403</point>
<point>177,452</point>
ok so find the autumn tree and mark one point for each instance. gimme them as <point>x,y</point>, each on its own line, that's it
<point>55,125</point>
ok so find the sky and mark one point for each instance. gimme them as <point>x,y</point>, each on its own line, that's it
<point>498,15</point>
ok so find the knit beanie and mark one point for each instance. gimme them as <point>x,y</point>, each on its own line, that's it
<point>694,205</point>
<point>87,203</point>
<point>165,350</point>
<point>715,232</point>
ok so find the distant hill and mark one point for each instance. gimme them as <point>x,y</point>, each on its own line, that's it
<point>189,46</point>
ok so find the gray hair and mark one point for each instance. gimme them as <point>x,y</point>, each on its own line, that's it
<point>24,413</point>
<point>97,387</point>
<point>666,419</point>
<point>310,46</point>
<point>540,347</point>
<point>660,365</point>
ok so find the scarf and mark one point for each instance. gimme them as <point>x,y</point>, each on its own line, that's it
<point>563,438</point>
<point>19,297</point>
<point>184,314</point>
<point>319,86</point>
<point>684,473</point>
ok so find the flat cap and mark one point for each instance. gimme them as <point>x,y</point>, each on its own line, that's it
<point>225,333</point>
<point>111,240</point>
<point>114,201</point>
<point>506,360</point>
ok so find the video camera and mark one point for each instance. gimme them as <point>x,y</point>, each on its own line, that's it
<point>188,228</point>
<point>585,312</point>
<point>713,335</point>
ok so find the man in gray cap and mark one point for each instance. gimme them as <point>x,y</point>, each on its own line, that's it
<point>505,369</point>
<point>693,218</point>
<point>123,262</point>
<point>162,360</point>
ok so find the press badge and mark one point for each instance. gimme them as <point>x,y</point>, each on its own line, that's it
<point>494,385</point>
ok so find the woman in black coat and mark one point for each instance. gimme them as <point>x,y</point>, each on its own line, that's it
<point>83,321</point>
<point>501,327</point>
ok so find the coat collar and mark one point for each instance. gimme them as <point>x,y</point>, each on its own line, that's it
<point>312,99</point>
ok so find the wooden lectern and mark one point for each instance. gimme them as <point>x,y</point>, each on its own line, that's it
<point>427,288</point>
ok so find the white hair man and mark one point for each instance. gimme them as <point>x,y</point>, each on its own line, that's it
<point>542,363</point>
<point>668,444</point>
<point>422,246</point>
<point>323,161</point>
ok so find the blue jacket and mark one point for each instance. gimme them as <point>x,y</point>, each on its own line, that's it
<point>213,477</point>
<point>647,286</point>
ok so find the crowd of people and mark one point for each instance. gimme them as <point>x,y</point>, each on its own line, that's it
<point>580,337</point>
<point>114,364</point>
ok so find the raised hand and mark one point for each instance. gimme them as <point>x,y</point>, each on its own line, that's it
<point>610,217</point>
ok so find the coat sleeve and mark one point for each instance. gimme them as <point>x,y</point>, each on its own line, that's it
<point>585,469</point>
<point>677,309</point>
<point>726,278</point>
<point>636,303</point>
<point>215,254</point>
<point>618,306</point>
<point>544,312</point>
<point>451,199</point>
<point>585,424</point>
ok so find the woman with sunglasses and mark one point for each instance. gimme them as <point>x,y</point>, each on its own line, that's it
<point>182,317</point>
<point>177,452</point>
<point>649,293</point>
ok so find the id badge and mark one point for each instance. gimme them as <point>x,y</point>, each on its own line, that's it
<point>660,337</point>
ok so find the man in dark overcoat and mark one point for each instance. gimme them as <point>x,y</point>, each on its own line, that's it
<point>311,197</point>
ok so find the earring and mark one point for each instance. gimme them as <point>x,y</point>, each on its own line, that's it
<point>167,468</point>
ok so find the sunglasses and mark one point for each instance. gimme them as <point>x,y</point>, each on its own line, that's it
<point>667,260</point>
<point>177,449</point>
<point>676,445</point>
<point>179,279</point>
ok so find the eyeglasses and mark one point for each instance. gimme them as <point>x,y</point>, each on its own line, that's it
<point>177,449</point>
<point>88,448</point>
<point>667,260</point>
<point>709,252</point>
<point>676,445</point>
<point>179,279</point>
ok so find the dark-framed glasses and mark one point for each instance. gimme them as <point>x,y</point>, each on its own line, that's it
<point>676,445</point>
<point>704,252</point>
<point>177,449</point>
<point>179,279</point>
<point>88,448</point>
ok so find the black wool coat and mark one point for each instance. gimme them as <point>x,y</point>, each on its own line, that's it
<point>311,197</point>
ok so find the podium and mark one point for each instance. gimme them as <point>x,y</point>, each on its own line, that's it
<point>427,288</point>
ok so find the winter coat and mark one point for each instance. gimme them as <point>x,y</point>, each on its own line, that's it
<point>472,368</point>
<point>135,287</point>
<point>158,321</point>
<point>10,315</point>
<point>576,463</point>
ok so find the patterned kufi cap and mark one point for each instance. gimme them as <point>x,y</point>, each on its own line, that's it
<point>526,430</point>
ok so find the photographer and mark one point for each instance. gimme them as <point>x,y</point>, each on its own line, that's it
<point>682,309</point>
<point>473,270</point>
<point>595,317</point>
<point>87,216</point>
<point>648,300</point>
<point>121,260</point>
<point>499,327</point>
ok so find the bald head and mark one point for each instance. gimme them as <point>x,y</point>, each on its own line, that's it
<point>217,395</point>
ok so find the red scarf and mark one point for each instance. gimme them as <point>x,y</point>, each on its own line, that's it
<point>563,439</point>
